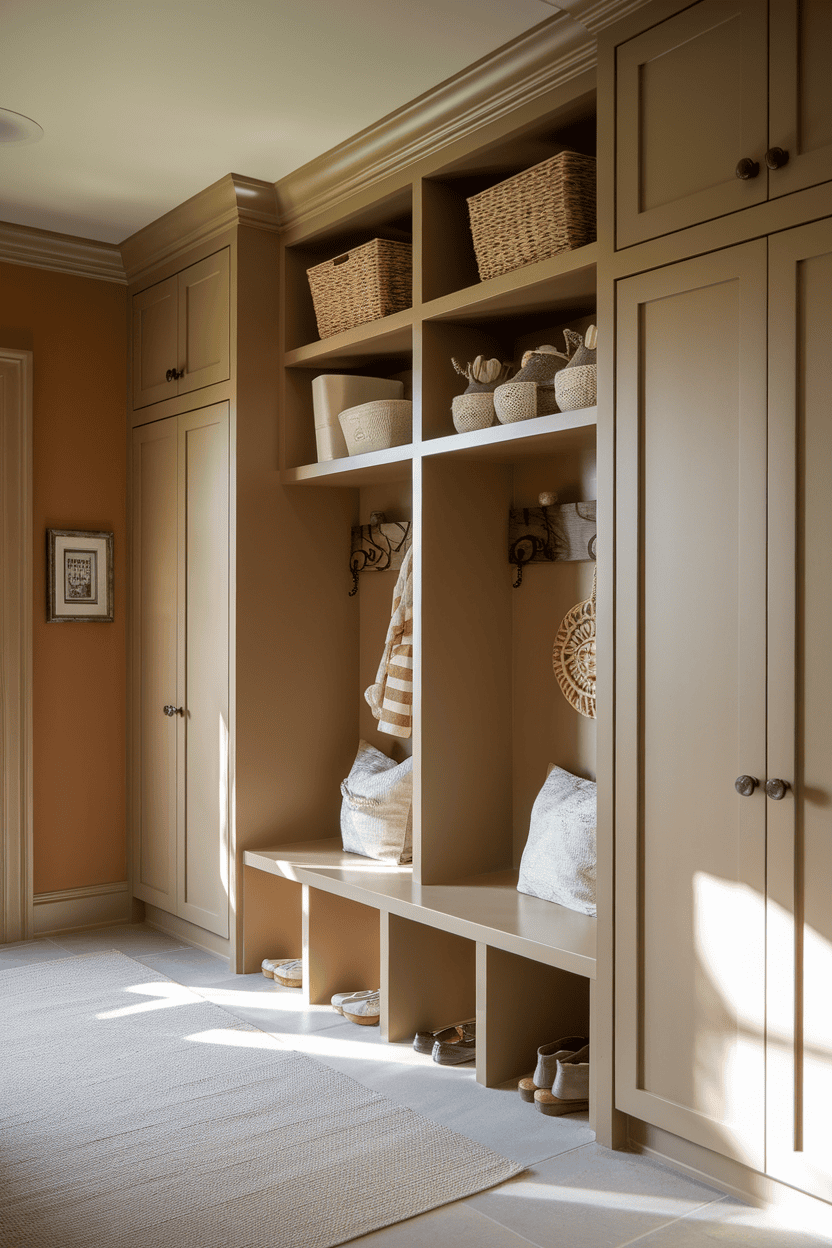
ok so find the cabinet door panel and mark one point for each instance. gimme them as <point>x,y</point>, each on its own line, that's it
<point>691,102</point>
<point>154,629</point>
<point>690,682</point>
<point>799,1062</point>
<point>204,323</point>
<point>155,328</point>
<point>203,668</point>
<point>800,120</point>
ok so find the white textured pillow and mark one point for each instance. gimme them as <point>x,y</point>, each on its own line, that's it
<point>376,813</point>
<point>558,863</point>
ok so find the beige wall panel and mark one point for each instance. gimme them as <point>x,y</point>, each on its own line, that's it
<point>429,977</point>
<point>692,101</point>
<point>272,918</point>
<point>341,946</point>
<point>154,342</point>
<point>203,883</point>
<point>154,605</point>
<point>204,322</point>
<point>800,118</point>
<point>466,705</point>
<point>521,1005</point>
<point>800,711</point>
<point>692,585</point>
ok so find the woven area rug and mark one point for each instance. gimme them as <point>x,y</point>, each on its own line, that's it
<point>136,1115</point>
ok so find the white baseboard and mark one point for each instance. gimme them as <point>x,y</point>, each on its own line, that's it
<point>96,905</point>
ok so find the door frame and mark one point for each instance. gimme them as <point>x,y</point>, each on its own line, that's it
<point>16,556</point>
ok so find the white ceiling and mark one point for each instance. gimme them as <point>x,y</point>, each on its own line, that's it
<point>144,103</point>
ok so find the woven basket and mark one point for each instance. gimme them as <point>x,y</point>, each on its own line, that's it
<point>576,387</point>
<point>515,400</point>
<point>573,656</point>
<point>534,215</point>
<point>361,285</point>
<point>472,411</point>
<point>378,425</point>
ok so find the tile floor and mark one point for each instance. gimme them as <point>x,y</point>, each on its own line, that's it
<point>572,1194</point>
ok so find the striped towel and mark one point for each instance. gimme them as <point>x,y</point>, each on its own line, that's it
<point>391,697</point>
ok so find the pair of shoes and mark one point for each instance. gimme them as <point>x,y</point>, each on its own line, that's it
<point>288,972</point>
<point>450,1046</point>
<point>560,1083</point>
<point>362,1007</point>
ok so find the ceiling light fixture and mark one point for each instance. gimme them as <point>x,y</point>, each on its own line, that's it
<point>15,128</point>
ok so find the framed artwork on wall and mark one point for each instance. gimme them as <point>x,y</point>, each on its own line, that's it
<point>79,577</point>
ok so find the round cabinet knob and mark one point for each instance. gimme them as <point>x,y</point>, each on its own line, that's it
<point>170,711</point>
<point>745,785</point>
<point>777,789</point>
<point>747,169</point>
<point>777,157</point>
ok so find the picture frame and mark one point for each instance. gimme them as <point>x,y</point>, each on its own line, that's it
<point>79,576</point>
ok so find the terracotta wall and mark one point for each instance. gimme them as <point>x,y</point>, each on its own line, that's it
<point>75,327</point>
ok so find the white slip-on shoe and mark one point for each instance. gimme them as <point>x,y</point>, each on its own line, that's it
<point>289,973</point>
<point>340,997</point>
<point>362,1009</point>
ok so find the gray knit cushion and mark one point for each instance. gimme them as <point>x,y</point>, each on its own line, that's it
<point>376,813</point>
<point>558,863</point>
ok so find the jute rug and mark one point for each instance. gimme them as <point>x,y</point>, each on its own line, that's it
<point>133,1114</point>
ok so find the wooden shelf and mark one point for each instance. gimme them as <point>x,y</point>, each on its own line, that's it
<point>357,348</point>
<point>374,467</point>
<point>557,285</point>
<point>544,435</point>
<point>485,908</point>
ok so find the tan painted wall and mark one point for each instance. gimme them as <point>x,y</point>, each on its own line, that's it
<point>76,328</point>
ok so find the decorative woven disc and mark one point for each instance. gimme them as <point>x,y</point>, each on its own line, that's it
<point>573,656</point>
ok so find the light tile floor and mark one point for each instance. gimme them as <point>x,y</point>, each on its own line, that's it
<point>572,1194</point>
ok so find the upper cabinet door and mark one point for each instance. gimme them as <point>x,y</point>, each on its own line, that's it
<point>204,323</point>
<point>155,328</point>
<point>799,1061</point>
<point>800,121</point>
<point>691,699</point>
<point>692,102</point>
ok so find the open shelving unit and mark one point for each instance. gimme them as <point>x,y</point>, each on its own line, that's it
<point>448,937</point>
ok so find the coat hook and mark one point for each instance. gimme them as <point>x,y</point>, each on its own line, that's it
<point>378,546</point>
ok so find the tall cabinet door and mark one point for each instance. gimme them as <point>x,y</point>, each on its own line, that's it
<point>155,330</point>
<point>153,665</point>
<point>691,699</point>
<point>800,711</point>
<point>203,576</point>
<point>691,102</point>
<point>800,120</point>
<point>204,323</point>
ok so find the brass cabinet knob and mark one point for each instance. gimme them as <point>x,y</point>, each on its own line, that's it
<point>170,711</point>
<point>777,789</point>
<point>776,157</point>
<point>747,169</point>
<point>745,785</point>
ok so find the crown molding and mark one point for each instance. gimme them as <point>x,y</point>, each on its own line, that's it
<point>594,15</point>
<point>518,73</point>
<point>62,253</point>
<point>233,200</point>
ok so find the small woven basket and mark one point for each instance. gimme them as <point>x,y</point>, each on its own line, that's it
<point>472,411</point>
<point>515,400</point>
<point>576,387</point>
<point>573,655</point>
<point>534,215</point>
<point>361,285</point>
<point>378,425</point>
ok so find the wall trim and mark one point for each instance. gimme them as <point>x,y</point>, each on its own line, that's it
<point>233,200</point>
<point>69,909</point>
<point>16,856</point>
<point>62,253</point>
<point>545,57</point>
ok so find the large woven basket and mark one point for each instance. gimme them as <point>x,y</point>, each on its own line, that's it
<point>377,425</point>
<point>361,285</point>
<point>534,215</point>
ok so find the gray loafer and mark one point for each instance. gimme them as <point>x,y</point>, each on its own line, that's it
<point>424,1041</point>
<point>459,1047</point>
<point>570,1090</point>
<point>545,1071</point>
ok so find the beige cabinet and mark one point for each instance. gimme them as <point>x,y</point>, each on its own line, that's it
<point>722,82</point>
<point>724,950</point>
<point>180,666</point>
<point>181,332</point>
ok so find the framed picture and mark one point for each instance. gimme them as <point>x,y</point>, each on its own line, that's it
<point>79,577</point>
